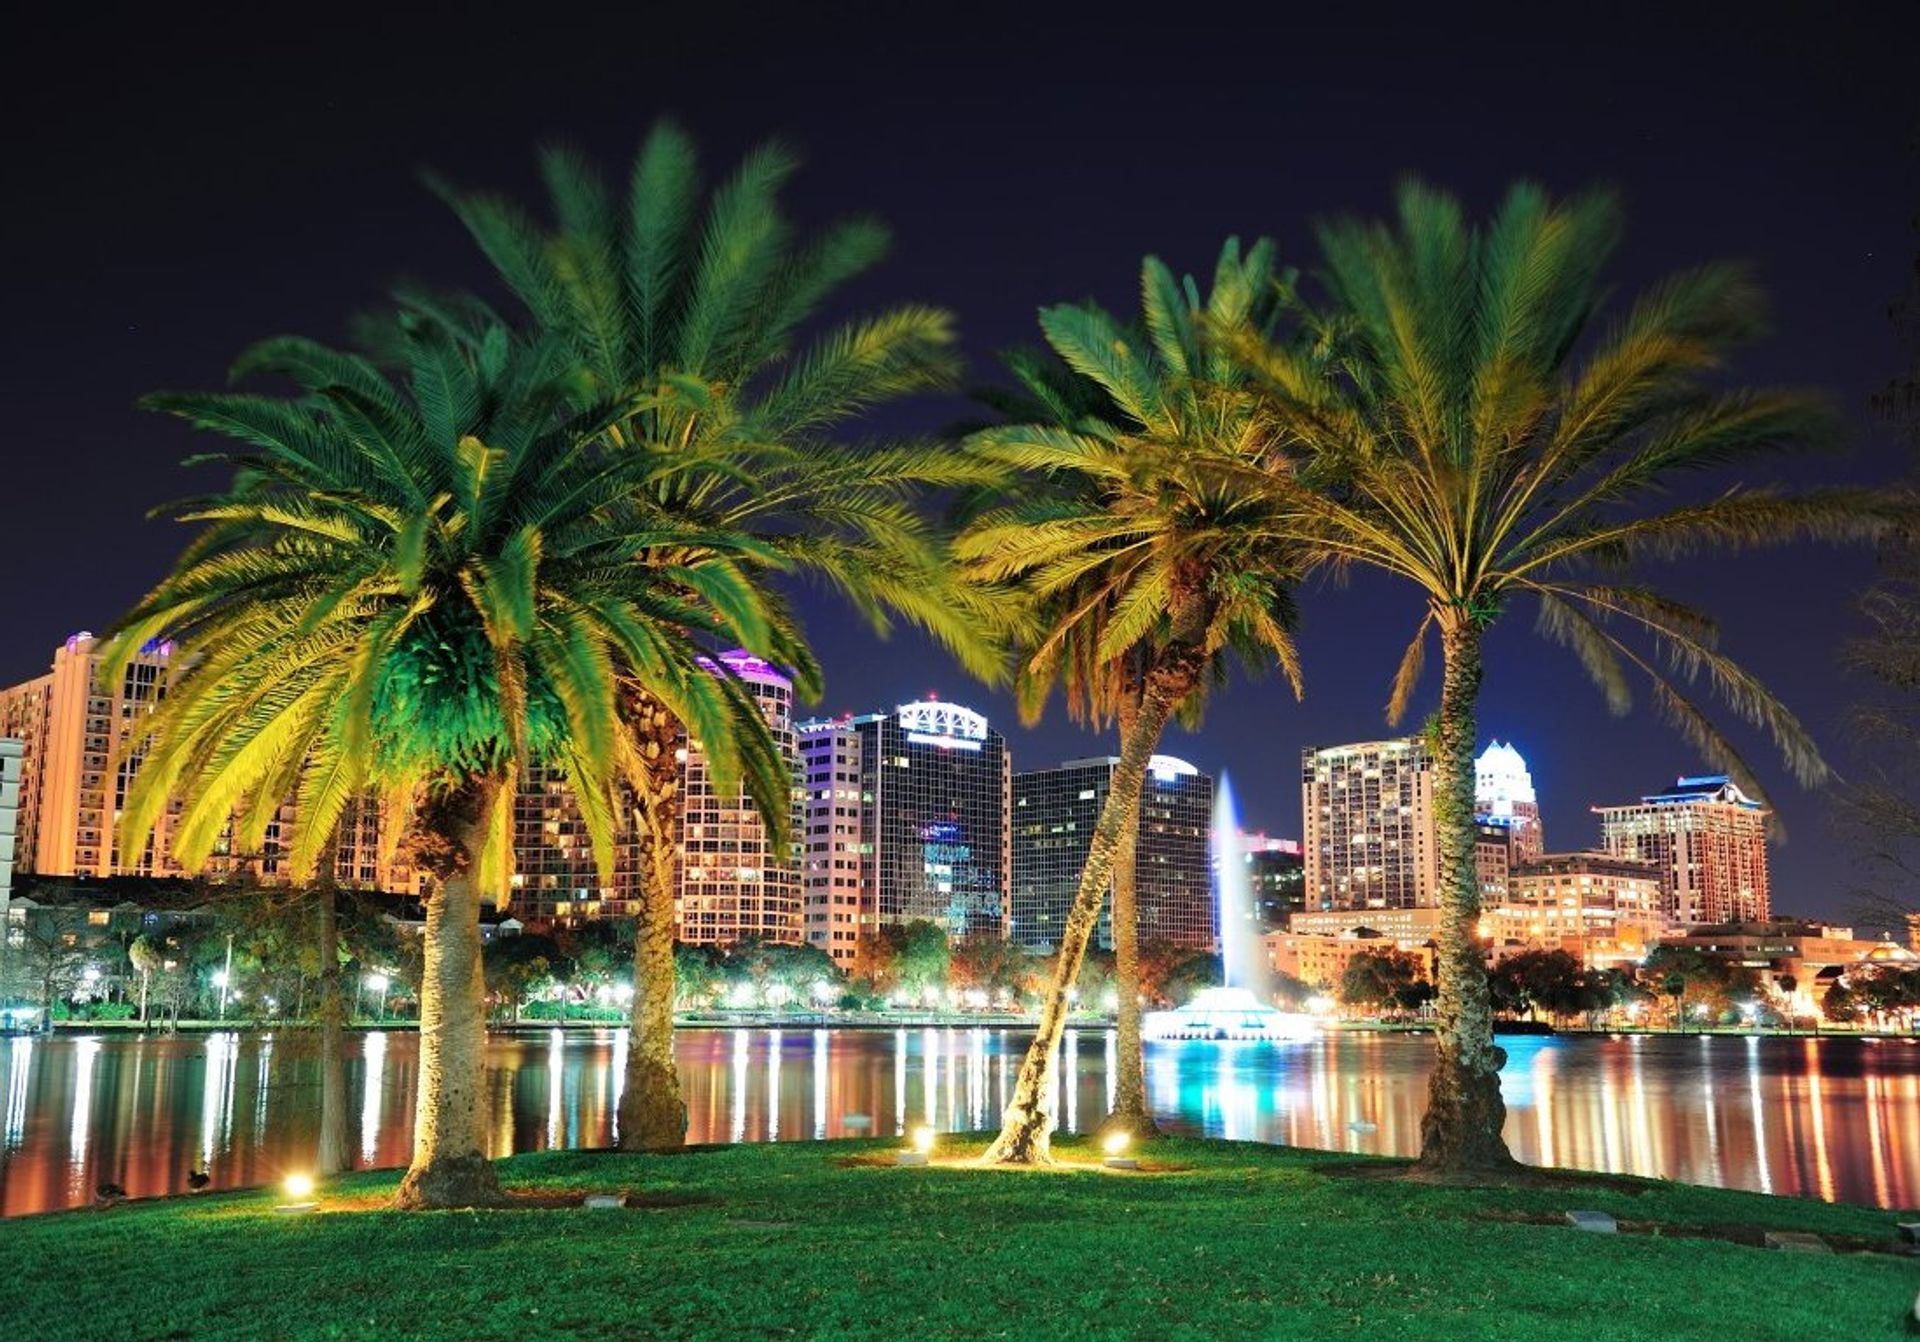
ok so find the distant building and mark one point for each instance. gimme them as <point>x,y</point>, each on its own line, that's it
<point>1368,826</point>
<point>1708,840</point>
<point>555,879</point>
<point>935,784</point>
<point>1606,910</point>
<point>73,730</point>
<point>838,911</point>
<point>11,751</point>
<point>1276,871</point>
<point>1054,814</point>
<point>1503,796</point>
<point>1493,861</point>
<point>1320,958</point>
<point>76,772</point>
<point>1791,949</point>
<point>1403,927</point>
<point>730,882</point>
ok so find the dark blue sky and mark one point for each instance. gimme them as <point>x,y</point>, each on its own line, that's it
<point>180,185</point>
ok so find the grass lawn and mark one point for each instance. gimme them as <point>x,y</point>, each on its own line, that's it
<point>804,1240</point>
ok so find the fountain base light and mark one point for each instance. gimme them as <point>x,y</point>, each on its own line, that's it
<point>1228,1013</point>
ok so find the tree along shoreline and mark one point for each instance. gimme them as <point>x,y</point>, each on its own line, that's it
<point>933,1020</point>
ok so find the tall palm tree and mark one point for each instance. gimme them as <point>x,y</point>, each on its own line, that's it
<point>410,589</point>
<point>1456,414</point>
<point>1147,542</point>
<point>683,307</point>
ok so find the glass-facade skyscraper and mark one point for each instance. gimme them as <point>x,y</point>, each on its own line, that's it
<point>1054,813</point>
<point>940,778</point>
<point>926,818</point>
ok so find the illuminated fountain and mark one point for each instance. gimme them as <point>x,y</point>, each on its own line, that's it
<point>1237,1010</point>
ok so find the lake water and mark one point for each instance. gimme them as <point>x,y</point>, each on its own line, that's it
<point>1821,1118</point>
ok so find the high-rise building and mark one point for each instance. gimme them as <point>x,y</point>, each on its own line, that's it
<point>730,881</point>
<point>1277,876</point>
<point>76,769</point>
<point>73,731</point>
<point>1054,814</point>
<point>555,879</point>
<point>1503,795</point>
<point>934,791</point>
<point>25,716</point>
<point>1368,826</point>
<point>1604,909</point>
<point>1493,861</point>
<point>11,752</point>
<point>835,889</point>
<point>1707,839</point>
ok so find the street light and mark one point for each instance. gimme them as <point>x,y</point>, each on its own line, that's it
<point>378,983</point>
<point>220,982</point>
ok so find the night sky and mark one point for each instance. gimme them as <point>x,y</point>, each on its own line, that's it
<point>180,186</point>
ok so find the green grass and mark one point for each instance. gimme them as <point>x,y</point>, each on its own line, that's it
<point>782,1241</point>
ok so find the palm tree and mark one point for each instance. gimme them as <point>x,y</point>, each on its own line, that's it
<point>1456,415</point>
<point>144,953</point>
<point>682,306</point>
<point>411,589</point>
<point>1146,541</point>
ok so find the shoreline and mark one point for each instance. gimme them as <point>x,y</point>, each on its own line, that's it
<point>762,1020</point>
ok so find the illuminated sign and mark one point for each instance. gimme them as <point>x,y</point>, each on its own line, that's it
<point>948,726</point>
<point>1165,768</point>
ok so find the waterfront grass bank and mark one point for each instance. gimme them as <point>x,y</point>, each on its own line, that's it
<point>831,1240</point>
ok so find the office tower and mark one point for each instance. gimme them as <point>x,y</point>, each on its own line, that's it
<point>1708,841</point>
<point>1503,795</point>
<point>1367,810</point>
<point>934,791</point>
<point>1054,814</point>
<point>1276,872</point>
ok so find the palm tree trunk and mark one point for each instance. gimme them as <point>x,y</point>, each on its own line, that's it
<point>1027,1129</point>
<point>1130,1114</point>
<point>653,1112</point>
<point>1460,1135</point>
<point>450,1166</point>
<point>334,1155</point>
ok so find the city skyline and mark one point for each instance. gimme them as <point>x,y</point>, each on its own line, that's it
<point>221,259</point>
<point>539,862</point>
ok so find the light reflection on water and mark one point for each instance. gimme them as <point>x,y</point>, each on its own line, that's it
<point>1825,1118</point>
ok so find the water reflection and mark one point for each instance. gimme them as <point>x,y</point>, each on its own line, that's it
<point>1834,1119</point>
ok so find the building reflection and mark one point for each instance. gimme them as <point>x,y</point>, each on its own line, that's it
<point>1824,1118</point>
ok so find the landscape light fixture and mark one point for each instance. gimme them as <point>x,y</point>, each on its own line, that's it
<point>1115,1145</point>
<point>299,1191</point>
<point>922,1138</point>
